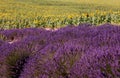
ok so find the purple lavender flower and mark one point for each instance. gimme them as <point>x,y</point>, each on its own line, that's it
<point>12,59</point>
<point>83,51</point>
<point>99,63</point>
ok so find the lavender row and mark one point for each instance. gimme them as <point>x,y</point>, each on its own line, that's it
<point>83,51</point>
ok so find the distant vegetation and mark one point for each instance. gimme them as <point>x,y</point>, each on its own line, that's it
<point>57,13</point>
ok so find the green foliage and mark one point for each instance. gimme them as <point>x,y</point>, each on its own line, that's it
<point>56,13</point>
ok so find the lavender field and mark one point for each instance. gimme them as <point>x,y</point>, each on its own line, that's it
<point>83,51</point>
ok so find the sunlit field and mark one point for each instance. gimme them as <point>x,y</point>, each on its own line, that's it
<point>57,13</point>
<point>59,38</point>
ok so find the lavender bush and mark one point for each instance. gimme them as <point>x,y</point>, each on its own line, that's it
<point>83,51</point>
<point>99,63</point>
<point>12,59</point>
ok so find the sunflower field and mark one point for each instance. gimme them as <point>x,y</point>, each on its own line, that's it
<point>55,14</point>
